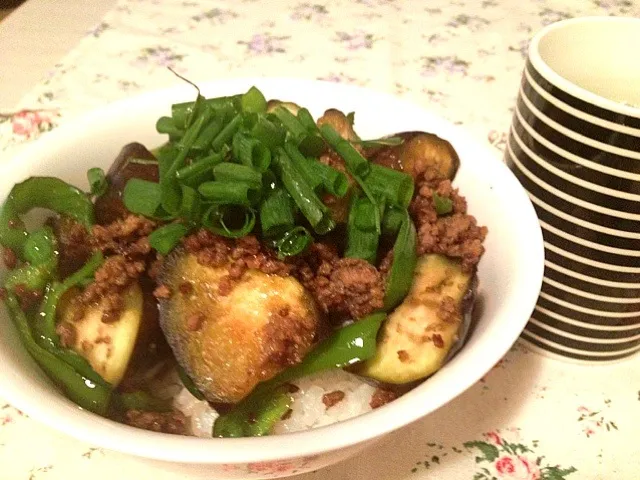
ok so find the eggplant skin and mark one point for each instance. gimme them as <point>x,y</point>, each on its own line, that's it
<point>417,337</point>
<point>110,207</point>
<point>229,343</point>
<point>418,151</point>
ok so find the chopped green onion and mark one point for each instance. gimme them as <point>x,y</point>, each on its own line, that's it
<point>209,133</point>
<point>180,112</point>
<point>381,142</point>
<point>232,172</point>
<point>251,152</point>
<point>267,132</point>
<point>200,171</point>
<point>293,242</point>
<point>233,221</point>
<point>302,194</point>
<point>190,206</point>
<point>253,101</point>
<point>142,197</point>
<point>231,193</point>
<point>226,134</point>
<point>165,238</point>
<point>302,164</point>
<point>276,213</point>
<point>168,126</point>
<point>169,187</point>
<point>362,238</point>
<point>356,163</point>
<point>334,181</point>
<point>443,205</point>
<point>392,221</point>
<point>403,266</point>
<point>307,121</point>
<point>397,187</point>
<point>97,181</point>
<point>290,122</point>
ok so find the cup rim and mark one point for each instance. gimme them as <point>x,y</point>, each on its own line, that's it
<point>571,88</point>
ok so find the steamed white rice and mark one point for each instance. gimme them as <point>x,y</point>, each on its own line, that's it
<point>307,411</point>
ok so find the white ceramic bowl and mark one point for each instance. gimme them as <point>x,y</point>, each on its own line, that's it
<point>510,277</point>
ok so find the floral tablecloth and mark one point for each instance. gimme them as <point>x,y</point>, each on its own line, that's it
<point>532,417</point>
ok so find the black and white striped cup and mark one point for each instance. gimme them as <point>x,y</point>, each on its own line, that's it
<point>574,144</point>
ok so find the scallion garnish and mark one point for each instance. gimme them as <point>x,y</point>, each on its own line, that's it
<point>443,205</point>
<point>98,184</point>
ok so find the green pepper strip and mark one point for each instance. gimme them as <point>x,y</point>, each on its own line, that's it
<point>46,325</point>
<point>78,388</point>
<point>44,192</point>
<point>257,413</point>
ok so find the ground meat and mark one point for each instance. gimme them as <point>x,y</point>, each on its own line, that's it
<point>244,253</point>
<point>67,333</point>
<point>115,275</point>
<point>27,298</point>
<point>448,310</point>
<point>162,291</point>
<point>332,398</point>
<point>9,257</point>
<point>74,245</point>
<point>381,397</point>
<point>195,321</point>
<point>347,286</point>
<point>127,236</point>
<point>165,422</point>
<point>454,235</point>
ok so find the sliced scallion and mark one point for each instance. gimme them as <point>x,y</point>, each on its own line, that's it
<point>231,193</point>
<point>98,184</point>
<point>165,238</point>
<point>403,266</point>
<point>232,221</point>
<point>443,205</point>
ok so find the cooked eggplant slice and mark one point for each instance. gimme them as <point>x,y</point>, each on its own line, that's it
<point>417,337</point>
<point>419,151</point>
<point>340,123</point>
<point>108,347</point>
<point>228,337</point>
<point>134,161</point>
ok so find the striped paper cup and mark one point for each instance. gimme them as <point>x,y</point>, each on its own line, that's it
<point>574,144</point>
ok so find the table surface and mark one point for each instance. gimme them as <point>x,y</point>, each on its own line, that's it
<point>531,417</point>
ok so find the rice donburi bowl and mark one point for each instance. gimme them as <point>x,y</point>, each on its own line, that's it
<point>316,315</point>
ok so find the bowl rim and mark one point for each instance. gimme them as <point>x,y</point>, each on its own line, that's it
<point>564,84</point>
<point>118,437</point>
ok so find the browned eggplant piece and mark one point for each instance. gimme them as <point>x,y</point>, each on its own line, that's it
<point>340,123</point>
<point>74,248</point>
<point>416,153</point>
<point>427,326</point>
<point>108,347</point>
<point>273,104</point>
<point>228,337</point>
<point>133,161</point>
